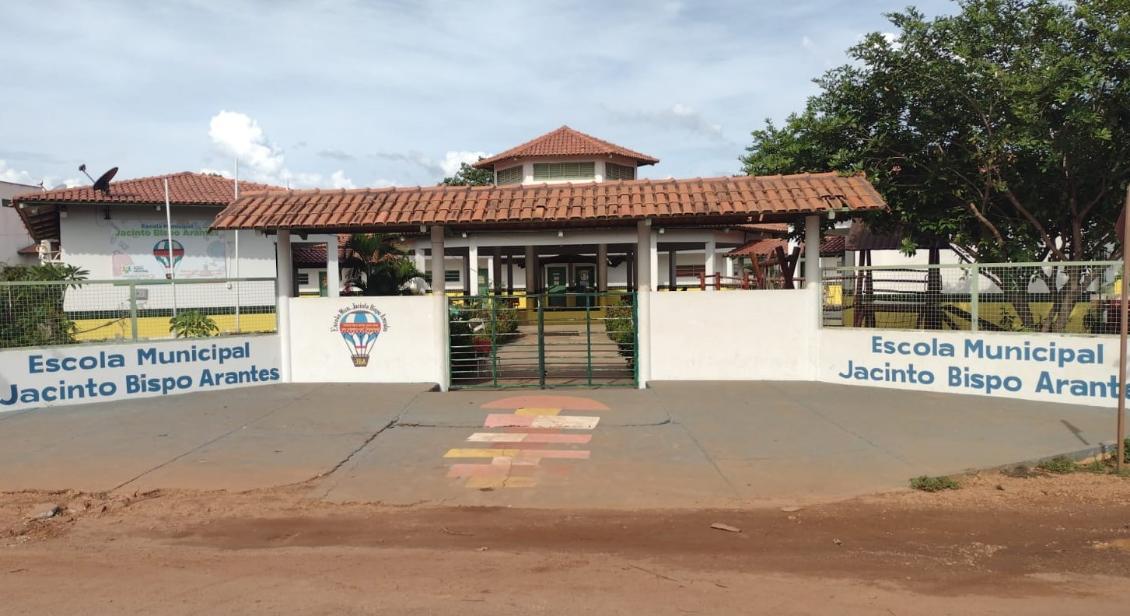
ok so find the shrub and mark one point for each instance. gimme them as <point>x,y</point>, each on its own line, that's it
<point>1059,465</point>
<point>192,324</point>
<point>33,315</point>
<point>620,325</point>
<point>926,483</point>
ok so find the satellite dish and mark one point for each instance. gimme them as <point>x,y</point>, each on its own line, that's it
<point>103,182</point>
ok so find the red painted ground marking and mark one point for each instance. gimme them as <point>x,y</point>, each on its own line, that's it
<point>568,403</point>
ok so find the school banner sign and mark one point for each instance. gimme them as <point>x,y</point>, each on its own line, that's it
<point>1045,367</point>
<point>79,374</point>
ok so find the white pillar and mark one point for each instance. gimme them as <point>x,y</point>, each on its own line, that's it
<point>602,267</point>
<point>333,271</point>
<point>711,249</point>
<point>473,267</point>
<point>811,251</point>
<point>440,297</point>
<point>284,287</point>
<point>646,258</point>
<point>728,267</point>
<point>496,271</point>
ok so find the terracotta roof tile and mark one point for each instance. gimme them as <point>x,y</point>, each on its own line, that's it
<point>41,216</point>
<point>185,188</point>
<point>724,200</point>
<point>565,142</point>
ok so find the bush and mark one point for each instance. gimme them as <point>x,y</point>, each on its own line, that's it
<point>33,315</point>
<point>926,483</point>
<point>1059,465</point>
<point>620,325</point>
<point>193,324</point>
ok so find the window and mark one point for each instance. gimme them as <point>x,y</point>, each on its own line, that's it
<point>448,275</point>
<point>548,172</point>
<point>303,278</point>
<point>619,172</point>
<point>512,175</point>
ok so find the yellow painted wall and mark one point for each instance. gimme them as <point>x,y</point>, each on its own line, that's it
<point>94,330</point>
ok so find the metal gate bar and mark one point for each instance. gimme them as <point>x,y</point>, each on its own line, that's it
<point>547,340</point>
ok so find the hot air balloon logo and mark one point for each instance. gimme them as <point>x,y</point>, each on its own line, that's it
<point>161,252</point>
<point>360,326</point>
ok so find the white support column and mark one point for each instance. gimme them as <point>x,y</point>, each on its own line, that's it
<point>711,250</point>
<point>333,270</point>
<point>602,267</point>
<point>727,267</point>
<point>653,258</point>
<point>440,307</point>
<point>646,259</point>
<point>284,288</point>
<point>811,252</point>
<point>473,268</point>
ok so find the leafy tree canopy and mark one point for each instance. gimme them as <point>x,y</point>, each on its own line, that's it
<point>1004,128</point>
<point>469,176</point>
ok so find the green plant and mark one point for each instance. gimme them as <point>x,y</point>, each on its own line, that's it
<point>33,315</point>
<point>192,324</point>
<point>377,266</point>
<point>620,325</point>
<point>925,483</point>
<point>1059,465</point>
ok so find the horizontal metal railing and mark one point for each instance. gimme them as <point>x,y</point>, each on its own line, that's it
<point>58,312</point>
<point>1078,297</point>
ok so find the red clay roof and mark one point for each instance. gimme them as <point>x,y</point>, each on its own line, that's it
<point>725,200</point>
<point>830,246</point>
<point>31,250</point>
<point>41,216</point>
<point>185,188</point>
<point>314,254</point>
<point>565,142</point>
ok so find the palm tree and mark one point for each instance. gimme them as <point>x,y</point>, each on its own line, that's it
<point>378,266</point>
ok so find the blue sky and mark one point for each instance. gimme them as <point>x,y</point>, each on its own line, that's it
<point>371,93</point>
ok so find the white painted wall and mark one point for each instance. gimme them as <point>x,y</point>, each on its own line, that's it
<point>92,243</point>
<point>13,233</point>
<point>753,335</point>
<point>98,373</point>
<point>406,350</point>
<point>89,241</point>
<point>843,352</point>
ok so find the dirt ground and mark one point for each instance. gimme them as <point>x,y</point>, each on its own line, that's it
<point>1000,545</point>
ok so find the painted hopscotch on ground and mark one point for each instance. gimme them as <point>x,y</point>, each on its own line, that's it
<point>512,451</point>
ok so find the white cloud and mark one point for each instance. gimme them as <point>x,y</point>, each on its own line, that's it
<point>383,183</point>
<point>453,159</point>
<point>338,180</point>
<point>807,43</point>
<point>220,172</point>
<point>237,134</point>
<point>678,115</point>
<point>18,176</point>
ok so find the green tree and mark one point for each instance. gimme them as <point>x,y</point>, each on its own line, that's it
<point>1003,129</point>
<point>469,176</point>
<point>378,266</point>
<point>33,315</point>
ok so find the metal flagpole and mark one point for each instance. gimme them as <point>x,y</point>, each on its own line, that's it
<point>1125,232</point>
<point>169,228</point>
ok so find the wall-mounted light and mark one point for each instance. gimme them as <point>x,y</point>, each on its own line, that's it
<point>463,235</point>
<point>423,228</point>
<point>62,211</point>
<point>662,230</point>
<point>560,234</point>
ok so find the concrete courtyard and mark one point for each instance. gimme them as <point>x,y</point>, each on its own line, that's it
<point>684,445</point>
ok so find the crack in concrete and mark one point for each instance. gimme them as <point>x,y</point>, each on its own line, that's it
<point>293,401</point>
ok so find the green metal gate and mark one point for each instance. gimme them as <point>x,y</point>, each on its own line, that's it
<point>544,341</point>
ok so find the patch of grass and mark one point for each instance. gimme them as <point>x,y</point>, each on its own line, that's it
<point>1060,465</point>
<point>926,483</point>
